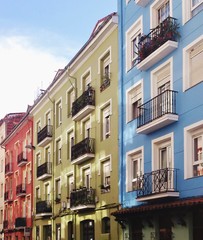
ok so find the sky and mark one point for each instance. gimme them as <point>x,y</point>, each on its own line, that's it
<point>38,37</point>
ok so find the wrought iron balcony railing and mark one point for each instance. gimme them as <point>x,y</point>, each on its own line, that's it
<point>46,132</point>
<point>44,207</point>
<point>165,31</point>
<point>8,168</point>
<point>87,98</point>
<point>83,197</point>
<point>44,170</point>
<point>156,182</point>
<point>164,103</point>
<point>20,222</point>
<point>86,146</point>
<point>105,83</point>
<point>21,189</point>
<point>21,159</point>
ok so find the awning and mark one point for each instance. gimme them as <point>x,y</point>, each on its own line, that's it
<point>145,208</point>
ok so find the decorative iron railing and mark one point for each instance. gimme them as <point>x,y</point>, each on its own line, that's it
<point>87,98</point>
<point>83,147</point>
<point>21,158</point>
<point>47,131</point>
<point>82,196</point>
<point>155,182</point>
<point>43,207</point>
<point>166,30</point>
<point>105,83</point>
<point>20,222</point>
<point>45,168</point>
<point>158,106</point>
<point>21,189</point>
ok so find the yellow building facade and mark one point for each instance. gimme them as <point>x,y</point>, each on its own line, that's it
<point>76,144</point>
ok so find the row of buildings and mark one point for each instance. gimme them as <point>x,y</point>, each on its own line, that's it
<point>112,149</point>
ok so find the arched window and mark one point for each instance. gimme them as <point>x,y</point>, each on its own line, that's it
<point>106,225</point>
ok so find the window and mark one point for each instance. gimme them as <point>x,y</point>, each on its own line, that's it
<point>38,196</point>
<point>2,189</point>
<point>58,231</point>
<point>133,35</point>
<point>70,184</point>
<point>159,11</point>
<point>86,177</point>
<point>1,216</point>
<point>86,80</point>
<point>133,101</point>
<point>58,190</point>
<point>70,143</point>
<point>163,159</point>
<point>48,118</point>
<point>193,139</point>
<point>86,128</point>
<point>193,64</point>
<point>134,168</point>
<point>29,174</point>
<point>105,67</point>
<point>191,8</point>
<point>58,151</point>
<point>106,225</point>
<point>106,122</point>
<point>70,100</point>
<point>37,233</point>
<point>58,113</point>
<point>47,192</point>
<point>87,230</point>
<point>38,159</point>
<point>48,154</point>
<point>38,126</point>
<point>28,207</point>
<point>106,176</point>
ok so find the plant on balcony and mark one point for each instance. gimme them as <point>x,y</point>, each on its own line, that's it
<point>165,31</point>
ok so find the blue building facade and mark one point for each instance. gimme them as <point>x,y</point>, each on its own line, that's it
<point>161,119</point>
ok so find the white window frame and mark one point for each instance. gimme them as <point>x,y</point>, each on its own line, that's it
<point>135,30</point>
<point>106,122</point>
<point>158,71</point>
<point>70,184</point>
<point>47,186</point>
<point>187,10</point>
<point>136,88</point>
<point>85,79</point>
<point>102,57</point>
<point>189,133</point>
<point>58,150</point>
<point>130,156</point>
<point>70,98</point>
<point>186,62</point>
<point>59,111</point>
<point>82,169</point>
<point>154,12</point>
<point>70,135</point>
<point>37,191</point>
<point>47,117</point>
<point>58,188</point>
<point>158,143</point>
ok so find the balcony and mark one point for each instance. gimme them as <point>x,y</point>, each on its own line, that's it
<point>21,190</point>
<point>8,196</point>
<point>21,159</point>
<point>142,3</point>
<point>160,42</point>
<point>44,136</point>
<point>82,151</point>
<point>158,112</point>
<point>8,226</point>
<point>20,222</point>
<point>43,209</point>
<point>84,105</point>
<point>82,199</point>
<point>44,171</point>
<point>105,84</point>
<point>161,183</point>
<point>8,169</point>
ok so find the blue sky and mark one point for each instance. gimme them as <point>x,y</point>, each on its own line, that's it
<point>37,37</point>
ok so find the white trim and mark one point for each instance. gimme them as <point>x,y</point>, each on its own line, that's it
<point>103,159</point>
<point>127,95</point>
<point>86,73</point>
<point>129,155</point>
<point>108,50</point>
<point>83,168</point>
<point>103,106</point>
<point>186,68</point>
<point>188,132</point>
<point>87,118</point>
<point>130,34</point>
<point>154,76</point>
<point>158,142</point>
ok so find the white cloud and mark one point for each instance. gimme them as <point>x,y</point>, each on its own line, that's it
<point>23,70</point>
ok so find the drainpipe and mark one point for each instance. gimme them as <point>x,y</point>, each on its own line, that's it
<point>53,161</point>
<point>121,67</point>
